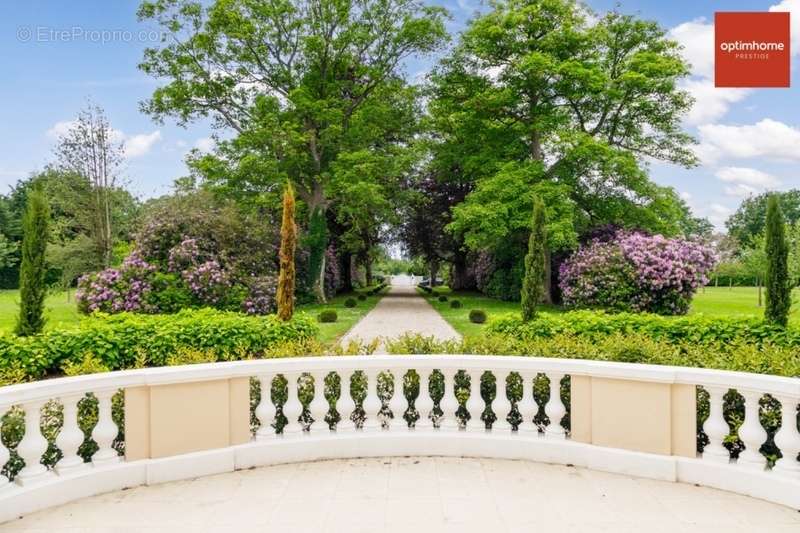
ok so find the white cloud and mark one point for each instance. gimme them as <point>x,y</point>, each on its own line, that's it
<point>710,103</point>
<point>766,138</point>
<point>205,144</point>
<point>717,214</point>
<point>685,196</point>
<point>741,191</point>
<point>60,129</point>
<point>697,39</point>
<point>132,145</point>
<point>793,7</point>
<point>747,176</point>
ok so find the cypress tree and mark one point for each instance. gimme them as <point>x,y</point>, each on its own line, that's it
<point>535,263</point>
<point>286,277</point>
<point>32,269</point>
<point>779,290</point>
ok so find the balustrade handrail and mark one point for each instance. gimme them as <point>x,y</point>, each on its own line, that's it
<point>65,386</point>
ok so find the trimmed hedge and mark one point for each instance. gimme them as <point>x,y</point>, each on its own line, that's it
<point>119,341</point>
<point>442,298</point>
<point>477,316</point>
<point>350,302</point>
<point>697,329</point>
<point>455,304</point>
<point>327,316</point>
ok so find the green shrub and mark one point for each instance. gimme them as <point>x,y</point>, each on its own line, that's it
<point>120,341</point>
<point>442,298</point>
<point>350,302</point>
<point>362,297</point>
<point>455,304</point>
<point>477,316</point>
<point>327,316</point>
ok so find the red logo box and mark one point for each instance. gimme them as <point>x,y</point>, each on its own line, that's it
<point>751,49</point>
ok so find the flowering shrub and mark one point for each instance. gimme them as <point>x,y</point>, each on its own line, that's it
<point>117,290</point>
<point>636,272</point>
<point>208,282</point>
<point>260,299</point>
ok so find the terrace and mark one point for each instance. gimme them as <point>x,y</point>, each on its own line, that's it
<point>248,444</point>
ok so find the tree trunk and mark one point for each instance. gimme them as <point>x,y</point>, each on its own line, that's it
<point>461,278</point>
<point>347,273</point>
<point>434,268</point>
<point>758,282</point>
<point>368,270</point>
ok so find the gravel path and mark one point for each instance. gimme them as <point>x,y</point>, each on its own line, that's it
<point>402,310</point>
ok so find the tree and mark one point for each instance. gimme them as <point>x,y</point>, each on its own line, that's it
<point>285,296</point>
<point>535,263</point>
<point>33,268</point>
<point>92,150</point>
<point>8,252</point>
<point>294,80</point>
<point>778,288</point>
<point>748,222</point>
<point>754,259</point>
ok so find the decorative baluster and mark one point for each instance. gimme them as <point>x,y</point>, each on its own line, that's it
<point>449,402</point>
<point>319,405</point>
<point>554,409</point>
<point>752,432</point>
<point>32,446</point>
<point>715,426</point>
<point>70,437</point>
<point>292,409</point>
<point>105,431</point>
<point>527,405</point>
<point>424,402</point>
<point>4,453</point>
<point>475,403</point>
<point>372,403</point>
<point>787,439</point>
<point>398,403</point>
<point>501,405</point>
<point>265,412</point>
<point>345,405</point>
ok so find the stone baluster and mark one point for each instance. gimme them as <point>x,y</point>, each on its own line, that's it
<point>449,402</point>
<point>372,403</point>
<point>319,405</point>
<point>293,408</point>
<point>752,432</point>
<point>398,403</point>
<point>715,426</point>
<point>4,453</point>
<point>424,402</point>
<point>527,405</point>
<point>475,403</point>
<point>787,439</point>
<point>554,409</point>
<point>345,405</point>
<point>501,405</point>
<point>32,446</point>
<point>70,437</point>
<point>265,412</point>
<point>105,431</point>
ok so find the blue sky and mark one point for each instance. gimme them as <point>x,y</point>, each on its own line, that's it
<point>749,139</point>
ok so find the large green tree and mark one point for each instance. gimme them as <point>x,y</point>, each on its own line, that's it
<point>294,81</point>
<point>749,220</point>
<point>776,280</point>
<point>33,268</point>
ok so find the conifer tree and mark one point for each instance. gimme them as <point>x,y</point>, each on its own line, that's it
<point>33,268</point>
<point>286,277</point>
<point>535,263</point>
<point>779,291</point>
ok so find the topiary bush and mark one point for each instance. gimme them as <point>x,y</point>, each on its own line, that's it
<point>455,304</point>
<point>327,316</point>
<point>362,297</point>
<point>442,298</point>
<point>350,302</point>
<point>633,271</point>
<point>477,316</point>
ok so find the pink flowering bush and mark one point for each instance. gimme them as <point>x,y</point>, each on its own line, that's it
<point>116,290</point>
<point>633,271</point>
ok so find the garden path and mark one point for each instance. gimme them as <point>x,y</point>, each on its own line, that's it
<point>401,311</point>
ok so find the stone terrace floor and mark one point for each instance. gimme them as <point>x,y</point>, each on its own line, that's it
<point>415,495</point>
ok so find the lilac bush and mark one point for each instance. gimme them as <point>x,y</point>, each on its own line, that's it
<point>260,298</point>
<point>208,281</point>
<point>636,272</point>
<point>116,290</point>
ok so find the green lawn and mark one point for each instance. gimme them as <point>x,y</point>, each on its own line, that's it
<point>719,301</point>
<point>348,316</point>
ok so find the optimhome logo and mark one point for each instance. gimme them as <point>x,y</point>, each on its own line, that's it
<point>752,49</point>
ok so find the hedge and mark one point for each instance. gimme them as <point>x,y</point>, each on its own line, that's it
<point>698,329</point>
<point>119,341</point>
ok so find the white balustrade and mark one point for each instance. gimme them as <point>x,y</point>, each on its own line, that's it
<point>293,408</point>
<point>527,404</point>
<point>105,431</point>
<point>475,403</point>
<point>554,409</point>
<point>787,438</point>
<point>265,411</point>
<point>70,437</point>
<point>33,445</point>
<point>372,403</point>
<point>501,405</point>
<point>715,426</point>
<point>319,405</point>
<point>449,402</point>
<point>424,403</point>
<point>752,433</point>
<point>5,455</point>
<point>345,405</point>
<point>398,404</point>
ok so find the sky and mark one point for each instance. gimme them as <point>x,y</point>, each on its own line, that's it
<point>54,57</point>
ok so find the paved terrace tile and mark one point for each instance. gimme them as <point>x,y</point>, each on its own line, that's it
<point>415,495</point>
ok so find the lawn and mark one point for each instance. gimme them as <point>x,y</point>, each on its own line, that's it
<point>61,312</point>
<point>711,301</point>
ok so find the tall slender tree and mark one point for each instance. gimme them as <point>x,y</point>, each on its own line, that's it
<point>33,268</point>
<point>286,277</point>
<point>779,291</point>
<point>533,286</point>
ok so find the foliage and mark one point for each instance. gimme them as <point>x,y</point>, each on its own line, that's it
<point>749,220</point>
<point>442,298</point>
<point>533,284</point>
<point>776,278</point>
<point>455,304</point>
<point>285,296</point>
<point>327,316</point>
<point>350,302</point>
<point>477,316</point>
<point>35,230</point>
<point>8,252</point>
<point>120,340</point>
<point>636,272</point>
